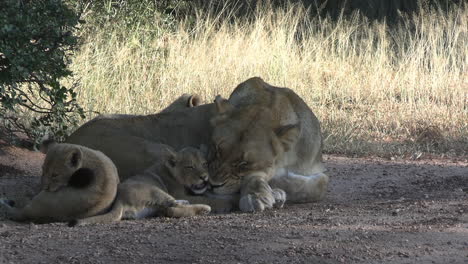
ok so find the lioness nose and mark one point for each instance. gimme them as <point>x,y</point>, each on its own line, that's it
<point>204,177</point>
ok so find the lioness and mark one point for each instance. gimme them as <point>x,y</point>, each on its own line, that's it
<point>77,182</point>
<point>152,192</point>
<point>263,133</point>
<point>266,134</point>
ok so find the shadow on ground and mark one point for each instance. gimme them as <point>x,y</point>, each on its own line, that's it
<point>376,211</point>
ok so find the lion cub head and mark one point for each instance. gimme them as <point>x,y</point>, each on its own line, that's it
<point>190,168</point>
<point>63,166</point>
<point>246,141</point>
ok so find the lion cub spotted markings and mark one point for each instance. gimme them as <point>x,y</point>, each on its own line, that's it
<point>77,182</point>
<point>152,192</point>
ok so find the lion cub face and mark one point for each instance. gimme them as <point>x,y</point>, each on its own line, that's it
<point>245,142</point>
<point>62,167</point>
<point>190,169</point>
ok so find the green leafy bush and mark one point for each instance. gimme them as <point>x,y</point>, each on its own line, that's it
<point>132,13</point>
<point>36,41</point>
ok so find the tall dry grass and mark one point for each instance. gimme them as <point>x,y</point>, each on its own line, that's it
<point>380,90</point>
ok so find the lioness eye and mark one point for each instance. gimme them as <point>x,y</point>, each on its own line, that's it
<point>243,165</point>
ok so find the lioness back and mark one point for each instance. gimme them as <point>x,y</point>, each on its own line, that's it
<point>131,142</point>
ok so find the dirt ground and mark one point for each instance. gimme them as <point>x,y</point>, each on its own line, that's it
<point>376,211</point>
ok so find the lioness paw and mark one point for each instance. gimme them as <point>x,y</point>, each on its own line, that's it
<point>280,197</point>
<point>246,204</point>
<point>256,203</point>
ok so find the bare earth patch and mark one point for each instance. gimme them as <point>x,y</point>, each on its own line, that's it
<point>376,211</point>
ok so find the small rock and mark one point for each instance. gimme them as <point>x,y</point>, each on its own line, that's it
<point>395,212</point>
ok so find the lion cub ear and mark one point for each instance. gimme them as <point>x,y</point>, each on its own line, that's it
<point>46,145</point>
<point>222,105</point>
<point>75,158</point>
<point>288,135</point>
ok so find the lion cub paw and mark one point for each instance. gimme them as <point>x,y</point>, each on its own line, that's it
<point>280,197</point>
<point>202,209</point>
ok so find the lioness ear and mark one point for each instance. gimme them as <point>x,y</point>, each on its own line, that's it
<point>204,150</point>
<point>75,157</point>
<point>46,145</point>
<point>171,160</point>
<point>222,105</point>
<point>288,135</point>
<point>194,100</point>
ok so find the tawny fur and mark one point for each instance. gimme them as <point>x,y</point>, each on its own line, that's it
<point>154,192</point>
<point>271,126</point>
<point>60,202</point>
<point>265,134</point>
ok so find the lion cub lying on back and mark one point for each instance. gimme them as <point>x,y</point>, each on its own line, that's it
<point>152,192</point>
<point>77,182</point>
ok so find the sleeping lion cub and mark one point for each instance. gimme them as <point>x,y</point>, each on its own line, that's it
<point>77,182</point>
<point>152,192</point>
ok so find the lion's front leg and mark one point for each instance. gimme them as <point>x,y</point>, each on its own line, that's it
<point>256,194</point>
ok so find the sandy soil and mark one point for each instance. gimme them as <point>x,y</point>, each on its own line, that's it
<point>376,211</point>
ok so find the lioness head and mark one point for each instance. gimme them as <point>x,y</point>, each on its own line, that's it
<point>190,169</point>
<point>63,167</point>
<point>245,141</point>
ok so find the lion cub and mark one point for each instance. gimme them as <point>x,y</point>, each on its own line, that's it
<point>152,192</point>
<point>77,182</point>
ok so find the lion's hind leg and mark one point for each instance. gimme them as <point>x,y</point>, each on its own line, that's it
<point>300,188</point>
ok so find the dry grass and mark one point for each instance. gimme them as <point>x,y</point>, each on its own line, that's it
<point>376,90</point>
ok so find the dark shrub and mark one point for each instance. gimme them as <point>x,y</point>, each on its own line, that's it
<point>36,41</point>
